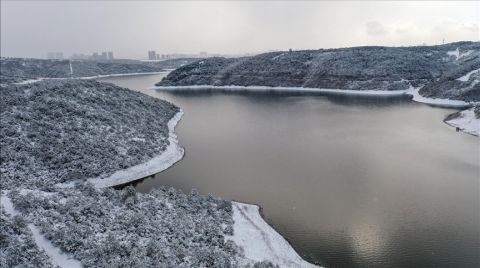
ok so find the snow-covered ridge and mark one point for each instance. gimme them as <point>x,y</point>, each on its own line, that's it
<point>260,241</point>
<point>466,122</point>
<point>86,77</point>
<point>56,255</point>
<point>285,89</point>
<point>172,154</point>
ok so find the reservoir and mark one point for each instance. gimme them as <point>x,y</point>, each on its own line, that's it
<point>349,181</point>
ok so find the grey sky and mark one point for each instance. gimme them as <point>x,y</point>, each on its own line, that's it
<point>130,28</point>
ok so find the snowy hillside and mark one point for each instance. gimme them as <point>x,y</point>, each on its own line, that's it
<point>357,68</point>
<point>65,130</point>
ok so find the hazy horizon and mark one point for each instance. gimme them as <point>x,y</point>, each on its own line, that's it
<point>131,28</point>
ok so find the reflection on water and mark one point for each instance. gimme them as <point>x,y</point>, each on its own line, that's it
<point>349,181</point>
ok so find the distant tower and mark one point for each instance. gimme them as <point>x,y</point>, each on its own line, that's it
<point>110,55</point>
<point>152,55</point>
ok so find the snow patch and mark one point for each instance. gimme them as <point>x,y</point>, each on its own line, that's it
<point>57,256</point>
<point>278,56</point>
<point>437,101</point>
<point>286,89</point>
<point>172,154</point>
<point>29,81</point>
<point>466,77</point>
<point>467,122</point>
<point>260,241</point>
<point>455,53</point>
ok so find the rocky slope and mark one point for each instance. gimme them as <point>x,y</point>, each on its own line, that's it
<point>441,69</point>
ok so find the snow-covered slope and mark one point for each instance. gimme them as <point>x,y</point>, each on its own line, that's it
<point>259,241</point>
<point>467,121</point>
<point>54,256</point>
<point>64,131</point>
<point>357,68</point>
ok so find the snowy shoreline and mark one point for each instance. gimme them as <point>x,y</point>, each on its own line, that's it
<point>286,89</point>
<point>172,154</point>
<point>437,101</point>
<point>30,81</point>
<point>466,122</point>
<point>269,245</point>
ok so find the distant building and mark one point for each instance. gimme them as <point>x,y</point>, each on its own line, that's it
<point>152,55</point>
<point>110,55</point>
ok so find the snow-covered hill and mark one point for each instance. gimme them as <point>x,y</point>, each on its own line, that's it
<point>58,131</point>
<point>441,69</point>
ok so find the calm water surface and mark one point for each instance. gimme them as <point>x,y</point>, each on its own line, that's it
<point>349,181</point>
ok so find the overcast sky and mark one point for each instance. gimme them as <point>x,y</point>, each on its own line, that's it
<point>130,28</point>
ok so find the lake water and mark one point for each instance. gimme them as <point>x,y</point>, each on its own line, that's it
<point>349,181</point>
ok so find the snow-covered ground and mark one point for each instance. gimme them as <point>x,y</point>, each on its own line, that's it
<point>286,89</point>
<point>437,101</point>
<point>172,154</point>
<point>467,122</point>
<point>56,255</point>
<point>260,241</point>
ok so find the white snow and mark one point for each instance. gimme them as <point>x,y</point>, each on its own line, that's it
<point>286,89</point>
<point>30,81</point>
<point>467,122</point>
<point>466,77</point>
<point>455,53</point>
<point>57,256</point>
<point>172,154</point>
<point>260,241</point>
<point>278,56</point>
<point>437,102</point>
